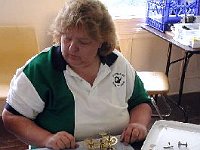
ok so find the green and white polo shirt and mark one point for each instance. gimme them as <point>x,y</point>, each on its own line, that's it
<point>49,92</point>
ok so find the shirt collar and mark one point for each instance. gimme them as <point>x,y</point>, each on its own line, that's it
<point>60,64</point>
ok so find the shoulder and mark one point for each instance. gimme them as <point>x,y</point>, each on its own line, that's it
<point>42,58</point>
<point>114,58</point>
<point>49,58</point>
<point>120,55</point>
<point>45,66</point>
<point>122,61</point>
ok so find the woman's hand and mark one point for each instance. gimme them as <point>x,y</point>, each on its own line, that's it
<point>61,140</point>
<point>134,132</point>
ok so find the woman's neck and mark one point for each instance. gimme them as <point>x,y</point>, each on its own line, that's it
<point>88,72</point>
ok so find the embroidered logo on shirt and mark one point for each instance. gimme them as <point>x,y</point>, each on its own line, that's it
<point>119,79</point>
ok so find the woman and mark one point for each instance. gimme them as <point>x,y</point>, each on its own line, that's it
<point>79,87</point>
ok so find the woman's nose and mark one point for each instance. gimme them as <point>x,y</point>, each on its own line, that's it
<point>73,46</point>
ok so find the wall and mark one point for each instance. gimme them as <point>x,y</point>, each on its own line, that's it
<point>37,13</point>
<point>148,52</point>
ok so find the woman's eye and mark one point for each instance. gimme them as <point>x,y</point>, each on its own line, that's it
<point>67,39</point>
<point>85,42</point>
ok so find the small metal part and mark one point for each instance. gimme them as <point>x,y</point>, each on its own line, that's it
<point>106,142</point>
<point>182,144</point>
<point>168,147</point>
<point>90,144</point>
<point>102,134</point>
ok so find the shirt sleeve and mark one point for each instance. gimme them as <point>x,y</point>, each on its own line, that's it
<point>22,96</point>
<point>139,94</point>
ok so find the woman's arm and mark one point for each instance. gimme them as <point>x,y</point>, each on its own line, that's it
<point>27,131</point>
<point>140,117</point>
<point>141,114</point>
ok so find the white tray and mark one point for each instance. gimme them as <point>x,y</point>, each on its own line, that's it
<point>165,132</point>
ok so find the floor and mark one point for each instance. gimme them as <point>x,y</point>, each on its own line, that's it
<point>191,105</point>
<point>191,102</point>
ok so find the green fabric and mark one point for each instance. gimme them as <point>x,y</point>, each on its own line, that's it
<point>59,111</point>
<point>139,94</point>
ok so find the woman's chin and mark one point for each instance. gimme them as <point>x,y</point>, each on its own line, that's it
<point>74,63</point>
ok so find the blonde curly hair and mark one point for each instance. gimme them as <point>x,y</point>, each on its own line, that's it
<point>90,14</point>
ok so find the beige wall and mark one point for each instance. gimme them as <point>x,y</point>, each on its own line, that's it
<point>148,52</point>
<point>37,13</point>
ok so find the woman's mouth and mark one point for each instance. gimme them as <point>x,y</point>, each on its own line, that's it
<point>72,57</point>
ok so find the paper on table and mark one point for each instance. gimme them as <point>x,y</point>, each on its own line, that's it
<point>118,146</point>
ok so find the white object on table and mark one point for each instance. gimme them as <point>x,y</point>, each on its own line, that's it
<point>118,146</point>
<point>169,133</point>
<point>187,34</point>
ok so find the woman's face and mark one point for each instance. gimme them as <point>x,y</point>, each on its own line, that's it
<point>78,48</point>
